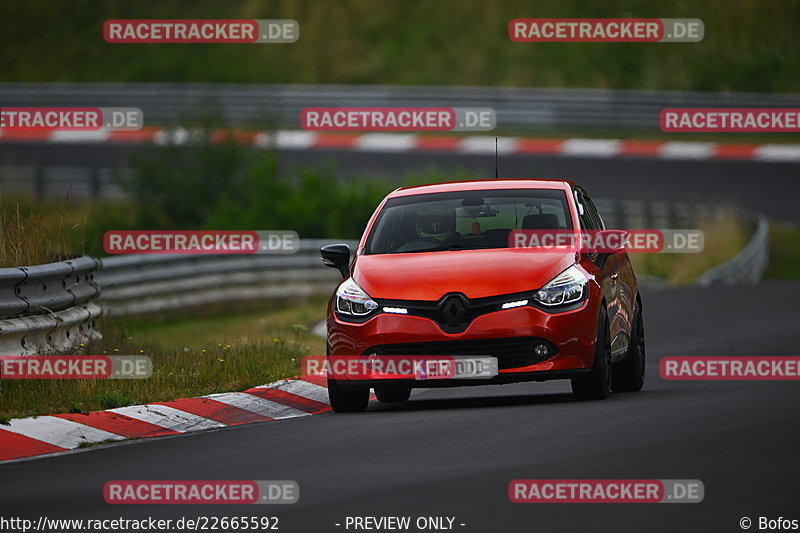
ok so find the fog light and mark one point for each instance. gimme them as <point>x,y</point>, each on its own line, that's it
<point>540,350</point>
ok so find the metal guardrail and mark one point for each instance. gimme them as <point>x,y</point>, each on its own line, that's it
<point>648,214</point>
<point>58,286</point>
<point>48,307</point>
<point>748,265</point>
<point>47,288</point>
<point>54,332</point>
<point>139,284</point>
<point>279,105</point>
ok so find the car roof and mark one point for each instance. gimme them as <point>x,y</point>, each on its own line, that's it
<point>478,185</point>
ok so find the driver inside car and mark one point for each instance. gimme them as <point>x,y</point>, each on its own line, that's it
<point>434,227</point>
<point>438,225</point>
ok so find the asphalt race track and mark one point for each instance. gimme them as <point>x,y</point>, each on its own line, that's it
<point>453,452</point>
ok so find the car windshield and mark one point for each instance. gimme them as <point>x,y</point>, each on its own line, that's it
<point>464,220</point>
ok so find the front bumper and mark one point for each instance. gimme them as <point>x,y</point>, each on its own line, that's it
<point>571,334</point>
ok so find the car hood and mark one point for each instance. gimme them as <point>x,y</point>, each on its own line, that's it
<point>475,273</point>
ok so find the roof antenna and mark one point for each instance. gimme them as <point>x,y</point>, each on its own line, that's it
<point>496,164</point>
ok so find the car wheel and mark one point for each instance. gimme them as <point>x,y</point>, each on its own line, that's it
<point>628,375</point>
<point>392,394</point>
<point>347,400</point>
<point>595,386</point>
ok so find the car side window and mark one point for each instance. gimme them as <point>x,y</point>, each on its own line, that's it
<point>593,212</point>
<point>587,222</point>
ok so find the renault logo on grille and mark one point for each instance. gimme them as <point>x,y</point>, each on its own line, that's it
<point>453,309</point>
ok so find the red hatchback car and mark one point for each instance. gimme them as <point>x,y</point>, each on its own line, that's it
<point>435,275</point>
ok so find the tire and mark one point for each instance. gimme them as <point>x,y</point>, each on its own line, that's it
<point>392,394</point>
<point>347,400</point>
<point>628,375</point>
<point>596,385</point>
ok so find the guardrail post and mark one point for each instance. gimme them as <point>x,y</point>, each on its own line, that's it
<point>94,182</point>
<point>39,182</point>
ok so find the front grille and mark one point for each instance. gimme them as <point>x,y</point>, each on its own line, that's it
<point>454,312</point>
<point>511,352</point>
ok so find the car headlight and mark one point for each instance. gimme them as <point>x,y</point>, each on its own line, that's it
<point>568,287</point>
<point>352,300</point>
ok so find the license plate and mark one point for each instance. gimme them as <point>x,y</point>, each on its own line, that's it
<point>482,367</point>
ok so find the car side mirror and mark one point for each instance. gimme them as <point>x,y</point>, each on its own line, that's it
<point>614,240</point>
<point>337,256</point>
<point>606,241</point>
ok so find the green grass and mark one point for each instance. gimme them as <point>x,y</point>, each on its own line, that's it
<point>784,251</point>
<point>749,45</point>
<point>35,232</point>
<point>193,352</point>
<point>724,236</point>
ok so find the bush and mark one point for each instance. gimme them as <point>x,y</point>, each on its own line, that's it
<point>199,184</point>
<point>227,186</point>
